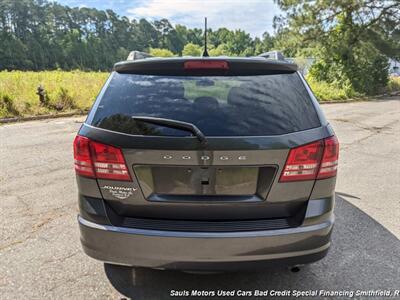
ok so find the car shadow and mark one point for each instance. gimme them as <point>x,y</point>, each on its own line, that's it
<point>364,256</point>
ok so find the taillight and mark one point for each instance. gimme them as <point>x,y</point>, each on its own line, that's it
<point>330,158</point>
<point>206,64</point>
<point>317,160</point>
<point>82,159</point>
<point>108,161</point>
<point>98,160</point>
<point>302,162</point>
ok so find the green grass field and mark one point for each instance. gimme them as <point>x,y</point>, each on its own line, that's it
<point>76,91</point>
<point>65,91</point>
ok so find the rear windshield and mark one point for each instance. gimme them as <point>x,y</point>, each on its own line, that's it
<point>218,106</point>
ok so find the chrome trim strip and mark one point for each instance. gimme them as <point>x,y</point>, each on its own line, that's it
<point>182,234</point>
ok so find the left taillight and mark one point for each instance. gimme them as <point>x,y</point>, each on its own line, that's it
<point>97,160</point>
<point>82,159</point>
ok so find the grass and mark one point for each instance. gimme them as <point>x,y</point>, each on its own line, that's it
<point>64,91</point>
<point>76,90</point>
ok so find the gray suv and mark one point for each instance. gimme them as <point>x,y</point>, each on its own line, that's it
<point>206,164</point>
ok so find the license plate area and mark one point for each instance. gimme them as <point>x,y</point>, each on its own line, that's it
<point>159,181</point>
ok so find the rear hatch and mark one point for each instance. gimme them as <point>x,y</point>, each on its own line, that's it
<point>250,120</point>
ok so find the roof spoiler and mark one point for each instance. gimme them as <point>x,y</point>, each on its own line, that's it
<point>273,55</point>
<point>135,55</point>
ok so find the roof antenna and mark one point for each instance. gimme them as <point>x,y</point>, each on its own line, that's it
<point>205,53</point>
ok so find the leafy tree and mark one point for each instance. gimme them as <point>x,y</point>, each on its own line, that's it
<point>220,36</point>
<point>264,45</point>
<point>195,36</point>
<point>182,32</point>
<point>239,42</point>
<point>169,37</point>
<point>349,38</point>
<point>148,36</point>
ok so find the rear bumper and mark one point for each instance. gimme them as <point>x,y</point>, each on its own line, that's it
<point>206,251</point>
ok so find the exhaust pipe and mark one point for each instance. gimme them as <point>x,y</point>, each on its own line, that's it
<point>295,268</point>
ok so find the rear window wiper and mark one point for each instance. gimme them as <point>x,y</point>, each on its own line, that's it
<point>174,124</point>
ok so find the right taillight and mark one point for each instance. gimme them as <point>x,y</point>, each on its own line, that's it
<point>97,160</point>
<point>317,160</point>
<point>329,162</point>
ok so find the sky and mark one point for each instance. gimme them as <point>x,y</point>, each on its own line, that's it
<point>252,16</point>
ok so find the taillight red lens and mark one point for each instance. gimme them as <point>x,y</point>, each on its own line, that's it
<point>82,159</point>
<point>108,161</point>
<point>330,158</point>
<point>317,160</point>
<point>206,64</point>
<point>302,162</point>
<point>98,160</point>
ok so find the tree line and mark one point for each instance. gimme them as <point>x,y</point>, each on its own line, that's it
<point>38,35</point>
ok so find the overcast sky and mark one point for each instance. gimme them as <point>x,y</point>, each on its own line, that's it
<point>253,16</point>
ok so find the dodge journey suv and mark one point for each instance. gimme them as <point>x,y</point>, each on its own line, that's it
<point>206,164</point>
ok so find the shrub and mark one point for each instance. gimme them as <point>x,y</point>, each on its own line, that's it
<point>393,84</point>
<point>192,50</point>
<point>331,91</point>
<point>7,107</point>
<point>64,100</point>
<point>161,52</point>
<point>221,50</point>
